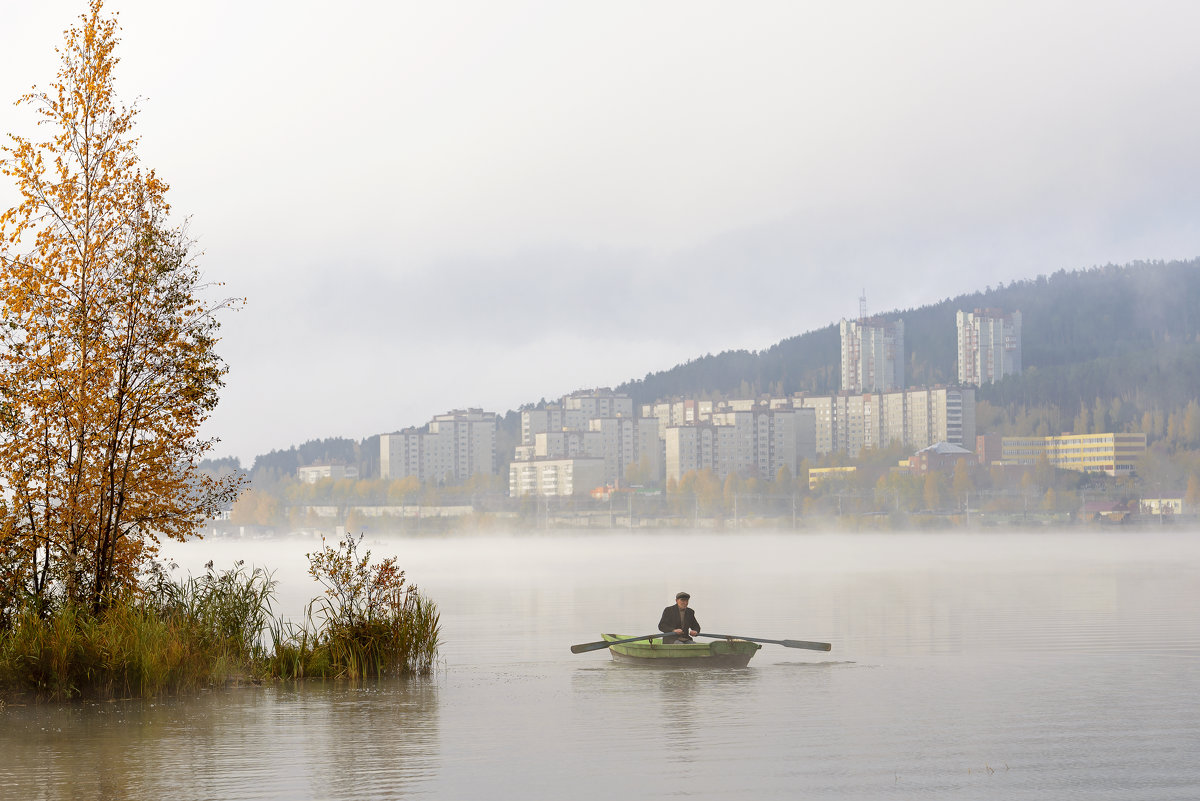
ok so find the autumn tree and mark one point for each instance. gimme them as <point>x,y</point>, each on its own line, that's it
<point>934,489</point>
<point>108,365</point>
<point>963,483</point>
<point>703,488</point>
<point>784,482</point>
<point>1192,497</point>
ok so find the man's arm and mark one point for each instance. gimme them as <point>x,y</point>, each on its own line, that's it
<point>664,623</point>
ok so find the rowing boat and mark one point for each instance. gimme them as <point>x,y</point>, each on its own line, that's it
<point>719,653</point>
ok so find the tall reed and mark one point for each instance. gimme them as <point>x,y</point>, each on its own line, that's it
<point>176,636</point>
<point>181,635</point>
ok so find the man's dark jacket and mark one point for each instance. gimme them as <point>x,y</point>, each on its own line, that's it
<point>670,620</point>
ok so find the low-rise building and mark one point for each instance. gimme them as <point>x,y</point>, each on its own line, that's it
<point>1110,453</point>
<point>315,472</point>
<point>819,475</point>
<point>1167,507</point>
<point>941,457</point>
<point>555,477</point>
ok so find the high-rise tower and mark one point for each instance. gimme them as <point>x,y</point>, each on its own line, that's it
<point>872,355</point>
<point>989,346</point>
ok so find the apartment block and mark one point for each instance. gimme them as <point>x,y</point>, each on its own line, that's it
<point>555,477</point>
<point>744,438</point>
<point>892,419</point>
<point>688,448</point>
<point>400,453</point>
<point>872,355</point>
<point>823,408</point>
<point>916,418</point>
<point>678,413</point>
<point>553,418</point>
<point>591,404</point>
<point>451,448</point>
<point>627,441</point>
<point>989,346</point>
<point>593,424</point>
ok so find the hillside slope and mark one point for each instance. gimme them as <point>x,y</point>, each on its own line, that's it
<point>1111,331</point>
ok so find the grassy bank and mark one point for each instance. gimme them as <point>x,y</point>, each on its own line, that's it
<point>178,636</point>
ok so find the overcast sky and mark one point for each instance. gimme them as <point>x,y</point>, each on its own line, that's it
<point>441,205</point>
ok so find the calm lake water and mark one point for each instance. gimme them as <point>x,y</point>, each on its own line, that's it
<point>964,666</point>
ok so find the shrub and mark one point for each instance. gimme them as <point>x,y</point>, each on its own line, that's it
<point>369,622</point>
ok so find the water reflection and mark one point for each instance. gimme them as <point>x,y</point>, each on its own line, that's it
<point>680,705</point>
<point>312,740</point>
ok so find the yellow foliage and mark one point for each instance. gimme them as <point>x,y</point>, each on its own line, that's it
<point>107,360</point>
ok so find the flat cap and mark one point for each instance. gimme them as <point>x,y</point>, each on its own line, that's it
<point>679,595</point>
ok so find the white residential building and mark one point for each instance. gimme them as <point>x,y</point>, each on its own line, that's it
<point>678,413</point>
<point>749,439</point>
<point>599,403</point>
<point>400,454</point>
<point>450,449</point>
<point>594,424</point>
<point>989,346</point>
<point>555,477</point>
<point>872,355</point>
<point>916,418</point>
<point>628,441</point>
<point>573,413</point>
<point>688,448</point>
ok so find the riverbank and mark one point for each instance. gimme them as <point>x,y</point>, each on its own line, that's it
<point>593,520</point>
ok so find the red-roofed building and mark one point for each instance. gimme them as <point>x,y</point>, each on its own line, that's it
<point>940,457</point>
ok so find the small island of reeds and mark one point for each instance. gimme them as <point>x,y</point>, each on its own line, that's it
<point>173,635</point>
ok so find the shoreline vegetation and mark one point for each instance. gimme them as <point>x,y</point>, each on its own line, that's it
<point>108,371</point>
<point>569,525</point>
<point>182,635</point>
<point>648,516</point>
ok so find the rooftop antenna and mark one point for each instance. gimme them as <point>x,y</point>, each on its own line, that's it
<point>862,305</point>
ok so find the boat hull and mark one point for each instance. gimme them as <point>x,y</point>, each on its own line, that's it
<point>654,653</point>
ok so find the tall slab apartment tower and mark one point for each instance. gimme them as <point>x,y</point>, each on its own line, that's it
<point>872,355</point>
<point>989,346</point>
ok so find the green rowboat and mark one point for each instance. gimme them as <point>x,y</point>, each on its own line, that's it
<point>719,653</point>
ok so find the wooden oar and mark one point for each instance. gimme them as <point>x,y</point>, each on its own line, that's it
<point>811,646</point>
<point>596,646</point>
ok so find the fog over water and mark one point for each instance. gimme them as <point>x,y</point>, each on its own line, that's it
<point>1016,665</point>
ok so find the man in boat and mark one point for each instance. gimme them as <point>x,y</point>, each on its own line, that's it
<point>678,622</point>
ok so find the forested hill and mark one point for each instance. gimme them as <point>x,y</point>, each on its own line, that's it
<point>1129,335</point>
<point>336,450</point>
<point>1103,332</point>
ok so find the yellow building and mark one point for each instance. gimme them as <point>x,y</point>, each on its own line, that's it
<point>1114,454</point>
<point>818,474</point>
